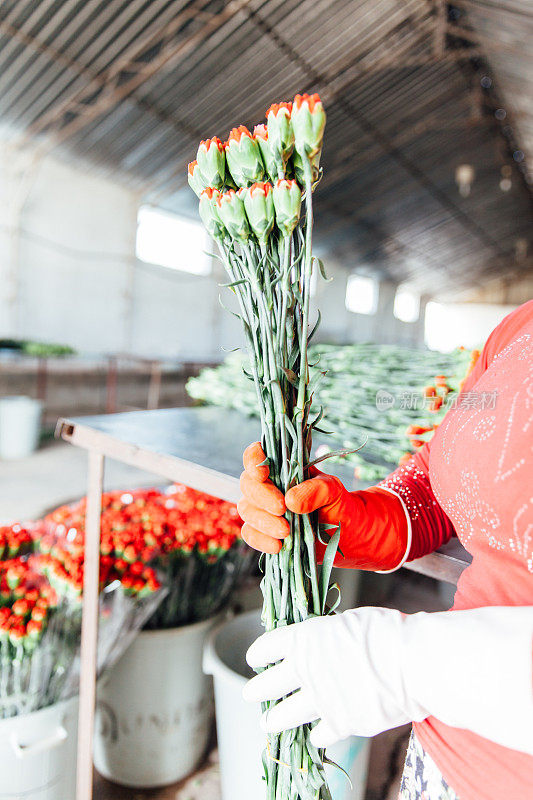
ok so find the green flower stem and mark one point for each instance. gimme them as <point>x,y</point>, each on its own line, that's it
<point>274,376</point>
<point>251,337</point>
<point>309,536</point>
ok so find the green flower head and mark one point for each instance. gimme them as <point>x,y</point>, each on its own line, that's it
<point>230,210</point>
<point>287,197</point>
<point>212,162</point>
<point>271,162</point>
<point>244,157</point>
<point>259,206</point>
<point>308,122</point>
<point>280,133</point>
<point>209,213</point>
<point>195,179</point>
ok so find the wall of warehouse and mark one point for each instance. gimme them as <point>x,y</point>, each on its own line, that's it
<point>68,273</point>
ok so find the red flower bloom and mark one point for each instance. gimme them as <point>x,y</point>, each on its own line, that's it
<point>237,134</point>
<point>311,100</point>
<point>284,108</point>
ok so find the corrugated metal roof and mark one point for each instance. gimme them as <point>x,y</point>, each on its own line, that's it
<point>131,86</point>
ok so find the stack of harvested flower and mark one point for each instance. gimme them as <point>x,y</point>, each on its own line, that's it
<point>370,394</point>
<point>40,616</point>
<point>191,539</point>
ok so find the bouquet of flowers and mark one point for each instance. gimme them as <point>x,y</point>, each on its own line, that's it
<point>40,617</point>
<point>191,539</point>
<point>167,558</point>
<point>251,190</point>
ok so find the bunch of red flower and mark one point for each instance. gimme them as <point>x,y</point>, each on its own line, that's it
<point>138,526</point>
<point>26,601</point>
<point>15,540</point>
<point>182,533</point>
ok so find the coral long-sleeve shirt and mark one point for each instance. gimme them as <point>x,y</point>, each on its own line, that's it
<point>476,477</point>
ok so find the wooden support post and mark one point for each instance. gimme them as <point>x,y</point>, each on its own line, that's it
<point>42,378</point>
<point>154,389</point>
<point>89,628</point>
<point>111,387</point>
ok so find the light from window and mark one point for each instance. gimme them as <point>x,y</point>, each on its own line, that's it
<point>406,305</point>
<point>171,241</point>
<point>361,294</point>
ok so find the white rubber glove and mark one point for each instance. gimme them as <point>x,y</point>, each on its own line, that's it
<point>371,669</point>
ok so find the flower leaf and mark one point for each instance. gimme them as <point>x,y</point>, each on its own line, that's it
<point>327,566</point>
<point>333,454</point>
<point>291,377</point>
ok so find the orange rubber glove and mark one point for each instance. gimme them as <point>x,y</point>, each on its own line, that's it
<point>375,526</point>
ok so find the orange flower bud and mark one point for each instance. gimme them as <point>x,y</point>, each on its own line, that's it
<point>308,121</point>
<point>259,209</point>
<point>230,208</point>
<point>312,101</point>
<point>280,134</point>
<point>261,132</point>
<point>212,162</point>
<point>417,430</point>
<point>276,108</point>
<point>435,404</point>
<point>243,157</point>
<point>195,179</point>
<point>287,197</point>
<point>269,158</point>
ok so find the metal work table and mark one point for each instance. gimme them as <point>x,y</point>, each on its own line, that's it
<point>202,448</point>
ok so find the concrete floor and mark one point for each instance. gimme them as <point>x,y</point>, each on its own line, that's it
<point>55,474</point>
<point>385,768</point>
<point>203,785</point>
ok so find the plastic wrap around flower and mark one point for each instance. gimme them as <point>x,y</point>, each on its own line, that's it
<point>15,540</point>
<point>190,539</point>
<point>166,559</point>
<point>244,157</point>
<point>40,630</point>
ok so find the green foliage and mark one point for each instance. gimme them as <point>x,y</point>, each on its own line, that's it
<point>351,376</point>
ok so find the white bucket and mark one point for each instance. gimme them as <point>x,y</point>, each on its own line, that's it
<point>240,740</point>
<point>155,709</point>
<point>20,422</point>
<point>38,754</point>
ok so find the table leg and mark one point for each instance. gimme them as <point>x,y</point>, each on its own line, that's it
<point>89,628</point>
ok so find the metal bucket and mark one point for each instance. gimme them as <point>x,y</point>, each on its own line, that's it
<point>20,423</point>
<point>155,709</point>
<point>38,754</point>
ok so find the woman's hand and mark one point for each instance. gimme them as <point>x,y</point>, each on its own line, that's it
<point>375,527</point>
<point>343,670</point>
<point>371,669</point>
<point>263,505</point>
